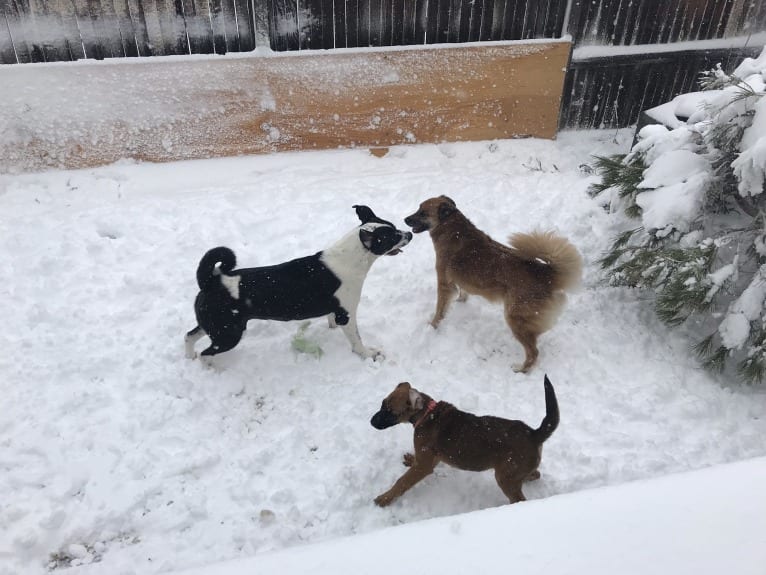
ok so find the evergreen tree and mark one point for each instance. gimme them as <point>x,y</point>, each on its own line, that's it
<point>690,198</point>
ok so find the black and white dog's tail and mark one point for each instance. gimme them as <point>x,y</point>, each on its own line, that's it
<point>207,271</point>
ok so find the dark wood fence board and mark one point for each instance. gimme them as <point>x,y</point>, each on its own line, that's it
<point>409,21</point>
<point>590,100</point>
<point>397,22</point>
<point>17,25</point>
<point>7,53</point>
<point>245,25</point>
<point>126,28</point>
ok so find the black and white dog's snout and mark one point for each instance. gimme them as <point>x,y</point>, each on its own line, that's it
<point>383,239</point>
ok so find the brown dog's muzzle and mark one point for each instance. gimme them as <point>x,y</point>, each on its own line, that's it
<point>383,419</point>
<point>416,223</point>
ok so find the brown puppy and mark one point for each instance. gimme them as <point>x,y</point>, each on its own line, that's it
<point>444,433</point>
<point>529,277</point>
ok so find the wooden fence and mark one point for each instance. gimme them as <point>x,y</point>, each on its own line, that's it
<point>601,89</point>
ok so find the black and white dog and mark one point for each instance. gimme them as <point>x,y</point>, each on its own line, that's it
<point>327,283</point>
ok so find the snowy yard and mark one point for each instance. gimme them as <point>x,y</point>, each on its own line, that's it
<point>118,456</point>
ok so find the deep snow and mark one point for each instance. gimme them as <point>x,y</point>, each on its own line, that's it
<point>119,456</point>
<point>665,526</point>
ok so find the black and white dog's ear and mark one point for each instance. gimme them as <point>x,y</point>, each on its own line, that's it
<point>366,237</point>
<point>365,214</point>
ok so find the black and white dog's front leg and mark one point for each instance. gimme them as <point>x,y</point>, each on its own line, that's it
<point>347,321</point>
<point>190,339</point>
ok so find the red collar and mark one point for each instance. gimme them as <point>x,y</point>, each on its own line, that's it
<point>431,406</point>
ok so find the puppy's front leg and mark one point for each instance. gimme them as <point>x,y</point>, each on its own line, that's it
<point>421,468</point>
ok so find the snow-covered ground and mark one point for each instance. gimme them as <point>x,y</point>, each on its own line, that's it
<point>664,526</point>
<point>119,456</point>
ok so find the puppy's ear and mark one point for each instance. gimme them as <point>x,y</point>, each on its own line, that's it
<point>415,400</point>
<point>364,213</point>
<point>366,237</point>
<point>446,208</point>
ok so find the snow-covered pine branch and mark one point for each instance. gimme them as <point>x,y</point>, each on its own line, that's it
<point>695,181</point>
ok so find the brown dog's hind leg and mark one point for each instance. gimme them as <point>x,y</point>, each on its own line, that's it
<point>421,468</point>
<point>524,331</point>
<point>535,475</point>
<point>510,485</point>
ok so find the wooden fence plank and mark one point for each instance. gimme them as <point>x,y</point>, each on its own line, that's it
<point>126,28</point>
<point>111,29</point>
<point>7,52</point>
<point>290,102</point>
<point>339,12</point>
<point>154,41</point>
<point>218,24</point>
<point>327,24</point>
<point>435,32</point>
<point>17,22</point>
<point>397,22</point>
<point>409,25</point>
<point>364,36</point>
<point>352,23</point>
<point>649,80</point>
<point>138,20</point>
<point>89,34</point>
<point>48,30</point>
<point>289,22</point>
<point>198,26</point>
<point>173,27</point>
<point>485,22</point>
<point>245,25</point>
<point>374,22</point>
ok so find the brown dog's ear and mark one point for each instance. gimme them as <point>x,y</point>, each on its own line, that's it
<point>415,400</point>
<point>446,208</point>
<point>404,384</point>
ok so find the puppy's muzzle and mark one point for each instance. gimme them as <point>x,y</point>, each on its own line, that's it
<point>383,419</point>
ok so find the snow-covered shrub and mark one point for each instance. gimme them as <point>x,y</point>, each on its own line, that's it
<point>690,197</point>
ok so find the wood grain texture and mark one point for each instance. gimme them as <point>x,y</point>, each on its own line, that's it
<point>166,110</point>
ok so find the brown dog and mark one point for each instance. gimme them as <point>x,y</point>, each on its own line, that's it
<point>529,278</point>
<point>462,440</point>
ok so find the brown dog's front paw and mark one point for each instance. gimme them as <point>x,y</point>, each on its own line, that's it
<point>383,500</point>
<point>408,459</point>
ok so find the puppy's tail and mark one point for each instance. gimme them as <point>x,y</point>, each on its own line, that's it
<point>207,270</point>
<point>554,250</point>
<point>551,420</point>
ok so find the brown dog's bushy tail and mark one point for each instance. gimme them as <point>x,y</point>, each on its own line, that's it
<point>551,420</point>
<point>554,250</point>
<point>209,266</point>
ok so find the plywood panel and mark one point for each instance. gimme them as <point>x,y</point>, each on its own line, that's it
<point>164,110</point>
